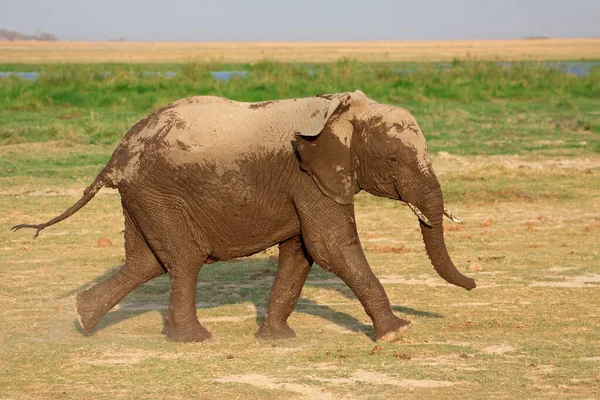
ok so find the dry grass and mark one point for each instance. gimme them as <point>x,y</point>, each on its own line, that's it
<point>530,330</point>
<point>166,52</point>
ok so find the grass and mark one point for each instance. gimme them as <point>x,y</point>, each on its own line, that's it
<point>508,148</point>
<point>523,108</point>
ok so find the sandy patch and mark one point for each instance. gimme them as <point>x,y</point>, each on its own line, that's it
<point>262,381</point>
<point>418,280</point>
<point>389,280</point>
<point>362,376</point>
<point>590,359</point>
<point>311,392</point>
<point>579,281</point>
<point>34,261</point>
<point>498,349</point>
<point>447,162</point>
<point>492,272</point>
<point>559,269</point>
<point>128,357</point>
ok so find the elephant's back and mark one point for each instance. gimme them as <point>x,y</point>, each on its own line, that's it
<point>212,131</point>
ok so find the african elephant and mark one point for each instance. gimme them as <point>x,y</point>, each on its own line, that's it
<point>207,179</point>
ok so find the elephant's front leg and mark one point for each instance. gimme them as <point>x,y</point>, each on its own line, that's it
<point>292,269</point>
<point>329,233</point>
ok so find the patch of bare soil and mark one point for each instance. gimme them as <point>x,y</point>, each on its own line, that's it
<point>312,392</point>
<point>412,280</point>
<point>590,359</point>
<point>104,242</point>
<point>128,357</point>
<point>378,378</point>
<point>498,349</point>
<point>389,279</point>
<point>382,249</point>
<point>580,281</point>
<point>446,162</point>
<point>265,382</point>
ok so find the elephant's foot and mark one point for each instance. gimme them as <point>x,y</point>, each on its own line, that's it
<point>391,330</point>
<point>275,331</point>
<point>88,313</point>
<point>188,333</point>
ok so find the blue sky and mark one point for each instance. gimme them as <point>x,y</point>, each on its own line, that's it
<point>283,20</point>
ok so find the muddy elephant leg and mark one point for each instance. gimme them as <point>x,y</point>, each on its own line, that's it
<point>173,244</point>
<point>182,320</point>
<point>183,260</point>
<point>332,240</point>
<point>292,269</point>
<point>166,225</point>
<point>140,266</point>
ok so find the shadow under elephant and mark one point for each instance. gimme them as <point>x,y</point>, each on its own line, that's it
<point>242,281</point>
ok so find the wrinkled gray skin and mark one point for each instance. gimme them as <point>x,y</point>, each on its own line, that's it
<point>207,179</point>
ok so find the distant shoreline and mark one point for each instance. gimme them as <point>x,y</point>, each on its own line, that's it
<point>527,49</point>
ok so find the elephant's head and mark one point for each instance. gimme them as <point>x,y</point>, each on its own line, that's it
<point>359,144</point>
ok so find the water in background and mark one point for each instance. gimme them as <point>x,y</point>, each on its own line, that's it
<point>30,76</point>
<point>577,68</point>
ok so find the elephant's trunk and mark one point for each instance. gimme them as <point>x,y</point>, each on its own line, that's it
<point>433,237</point>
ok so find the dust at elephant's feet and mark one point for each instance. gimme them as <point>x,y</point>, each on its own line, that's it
<point>188,334</point>
<point>393,333</point>
<point>275,332</point>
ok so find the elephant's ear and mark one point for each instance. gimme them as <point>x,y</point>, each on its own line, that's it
<point>324,148</point>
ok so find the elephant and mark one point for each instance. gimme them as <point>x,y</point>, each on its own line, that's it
<point>207,179</point>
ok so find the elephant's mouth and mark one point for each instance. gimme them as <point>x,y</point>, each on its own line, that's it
<point>425,220</point>
<point>419,214</point>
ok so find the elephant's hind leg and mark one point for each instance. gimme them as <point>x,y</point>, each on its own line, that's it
<point>182,320</point>
<point>292,269</point>
<point>170,238</point>
<point>140,266</point>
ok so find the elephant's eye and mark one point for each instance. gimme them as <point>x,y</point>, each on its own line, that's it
<point>393,160</point>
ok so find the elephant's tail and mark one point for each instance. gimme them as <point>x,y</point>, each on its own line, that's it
<point>103,179</point>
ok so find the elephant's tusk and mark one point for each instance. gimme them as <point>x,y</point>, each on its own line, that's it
<point>419,214</point>
<point>452,216</point>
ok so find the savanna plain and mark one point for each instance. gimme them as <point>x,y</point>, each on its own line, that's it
<point>516,149</point>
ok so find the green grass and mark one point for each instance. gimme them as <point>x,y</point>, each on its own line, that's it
<point>463,109</point>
